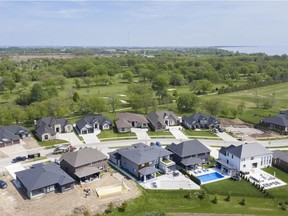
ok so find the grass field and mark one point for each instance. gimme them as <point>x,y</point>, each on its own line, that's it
<point>111,134</point>
<point>205,133</point>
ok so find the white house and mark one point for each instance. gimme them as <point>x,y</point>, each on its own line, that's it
<point>244,158</point>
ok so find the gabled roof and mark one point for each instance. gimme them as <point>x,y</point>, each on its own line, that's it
<point>148,170</point>
<point>248,150</point>
<point>156,117</point>
<point>223,150</point>
<point>132,117</point>
<point>191,161</point>
<point>46,125</point>
<point>282,155</point>
<point>188,148</point>
<point>279,119</point>
<point>140,153</point>
<point>90,120</point>
<point>121,123</point>
<point>43,175</point>
<point>197,117</point>
<point>51,121</point>
<point>284,112</point>
<point>84,156</point>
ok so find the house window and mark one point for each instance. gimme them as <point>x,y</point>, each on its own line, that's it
<point>46,137</point>
<point>227,161</point>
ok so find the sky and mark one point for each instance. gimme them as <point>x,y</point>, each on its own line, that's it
<point>143,23</point>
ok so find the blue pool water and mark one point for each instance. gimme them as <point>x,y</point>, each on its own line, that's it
<point>210,177</point>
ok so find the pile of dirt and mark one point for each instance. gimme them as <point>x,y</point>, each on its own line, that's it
<point>233,122</point>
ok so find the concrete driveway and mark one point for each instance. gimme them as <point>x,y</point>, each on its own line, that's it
<point>177,133</point>
<point>226,137</point>
<point>70,137</point>
<point>91,137</point>
<point>141,133</point>
<point>12,169</point>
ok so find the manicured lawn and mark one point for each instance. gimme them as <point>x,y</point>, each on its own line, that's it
<point>207,133</point>
<point>165,133</point>
<point>175,202</point>
<point>111,134</point>
<point>236,188</point>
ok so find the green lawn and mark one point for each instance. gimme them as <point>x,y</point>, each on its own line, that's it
<point>111,134</point>
<point>207,133</point>
<point>165,133</point>
<point>52,142</point>
<point>278,173</point>
<point>175,202</point>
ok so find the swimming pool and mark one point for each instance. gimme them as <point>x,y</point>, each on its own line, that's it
<point>210,177</point>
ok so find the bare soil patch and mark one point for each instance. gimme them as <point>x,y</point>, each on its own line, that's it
<point>73,202</point>
<point>2,155</point>
<point>30,143</point>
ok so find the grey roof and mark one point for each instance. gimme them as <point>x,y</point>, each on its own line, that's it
<point>12,132</point>
<point>225,164</point>
<point>141,153</point>
<point>224,149</point>
<point>156,117</point>
<point>248,150</point>
<point>282,155</point>
<point>121,123</point>
<point>83,157</point>
<point>148,170</point>
<point>284,112</point>
<point>132,117</point>
<point>45,125</point>
<point>86,171</point>
<point>191,161</point>
<point>90,120</point>
<point>188,148</point>
<point>197,117</point>
<point>43,175</point>
<point>279,119</point>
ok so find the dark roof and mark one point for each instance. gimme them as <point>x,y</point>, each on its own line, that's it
<point>224,149</point>
<point>188,148</point>
<point>121,123</point>
<point>132,117</point>
<point>197,117</point>
<point>280,119</point>
<point>284,112</point>
<point>12,132</point>
<point>282,155</point>
<point>90,120</point>
<point>191,161</point>
<point>148,170</point>
<point>83,157</point>
<point>156,117</point>
<point>225,164</point>
<point>141,153</point>
<point>86,171</point>
<point>46,125</point>
<point>248,150</point>
<point>43,175</point>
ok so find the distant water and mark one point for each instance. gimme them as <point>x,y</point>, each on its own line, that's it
<point>269,50</point>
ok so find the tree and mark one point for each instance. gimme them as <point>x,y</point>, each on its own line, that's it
<point>113,102</point>
<point>88,81</point>
<point>128,75</point>
<point>6,96</point>
<point>37,93</point>
<point>241,108</point>
<point>76,97</point>
<point>9,84</point>
<point>213,106</point>
<point>17,114</point>
<point>61,81</point>
<point>187,102</point>
<point>160,84</point>
<point>77,83</point>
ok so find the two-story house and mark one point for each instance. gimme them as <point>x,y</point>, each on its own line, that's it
<point>189,153</point>
<point>85,164</point>
<point>142,161</point>
<point>244,158</point>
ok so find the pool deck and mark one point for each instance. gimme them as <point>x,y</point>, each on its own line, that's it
<point>203,171</point>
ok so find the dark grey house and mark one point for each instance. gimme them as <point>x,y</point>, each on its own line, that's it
<point>189,153</point>
<point>127,121</point>
<point>199,120</point>
<point>10,135</point>
<point>142,161</point>
<point>85,164</point>
<point>88,124</point>
<point>47,128</point>
<point>44,178</point>
<point>160,120</point>
<point>280,159</point>
<point>278,122</point>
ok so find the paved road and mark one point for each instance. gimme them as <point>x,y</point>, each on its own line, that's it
<point>226,137</point>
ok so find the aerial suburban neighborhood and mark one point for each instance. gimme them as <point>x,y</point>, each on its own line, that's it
<point>143,108</point>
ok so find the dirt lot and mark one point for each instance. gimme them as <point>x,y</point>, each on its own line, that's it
<point>30,143</point>
<point>13,202</point>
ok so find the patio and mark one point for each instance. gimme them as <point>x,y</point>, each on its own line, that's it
<point>170,181</point>
<point>264,179</point>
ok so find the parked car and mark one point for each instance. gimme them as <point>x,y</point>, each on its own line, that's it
<point>3,184</point>
<point>63,149</point>
<point>19,158</point>
<point>220,130</point>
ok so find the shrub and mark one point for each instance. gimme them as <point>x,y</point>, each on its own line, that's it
<point>228,198</point>
<point>243,201</point>
<point>188,195</point>
<point>215,200</point>
<point>284,207</point>
<point>280,203</point>
<point>202,195</point>
<point>110,208</point>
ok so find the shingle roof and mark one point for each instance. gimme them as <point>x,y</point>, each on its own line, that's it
<point>282,155</point>
<point>197,117</point>
<point>83,157</point>
<point>191,161</point>
<point>279,119</point>
<point>86,171</point>
<point>155,117</point>
<point>249,150</point>
<point>140,154</point>
<point>46,124</point>
<point>43,175</point>
<point>284,112</point>
<point>90,120</point>
<point>188,148</point>
<point>12,132</point>
<point>133,117</point>
<point>121,123</point>
<point>148,170</point>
